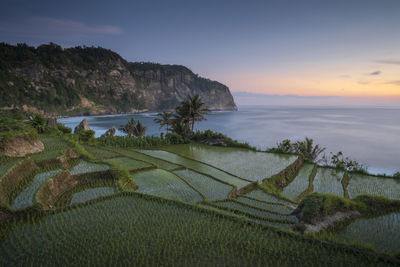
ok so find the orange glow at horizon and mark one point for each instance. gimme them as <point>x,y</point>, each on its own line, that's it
<point>306,86</point>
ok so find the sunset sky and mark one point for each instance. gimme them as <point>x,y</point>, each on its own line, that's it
<point>306,48</point>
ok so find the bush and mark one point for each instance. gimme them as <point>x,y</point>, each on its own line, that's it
<point>305,148</point>
<point>52,131</point>
<point>143,142</point>
<point>174,138</point>
<point>13,125</point>
<point>317,205</point>
<point>216,138</point>
<point>284,147</point>
<point>63,128</point>
<point>86,136</point>
<point>377,204</point>
<point>396,175</point>
<point>39,123</point>
<point>339,161</point>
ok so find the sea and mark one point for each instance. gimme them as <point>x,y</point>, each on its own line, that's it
<point>369,135</point>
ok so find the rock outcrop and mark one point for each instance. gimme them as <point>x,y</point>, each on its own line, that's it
<point>87,81</point>
<point>326,222</point>
<point>109,132</point>
<point>20,146</point>
<point>83,125</point>
<point>52,122</point>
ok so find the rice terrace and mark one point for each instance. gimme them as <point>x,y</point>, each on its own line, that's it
<point>200,133</point>
<point>174,201</point>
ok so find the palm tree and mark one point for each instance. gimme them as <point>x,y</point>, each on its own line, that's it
<point>191,111</point>
<point>129,127</point>
<point>181,128</point>
<point>139,130</point>
<point>307,149</point>
<point>197,110</point>
<point>165,120</point>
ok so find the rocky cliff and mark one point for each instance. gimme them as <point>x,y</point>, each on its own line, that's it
<point>88,80</point>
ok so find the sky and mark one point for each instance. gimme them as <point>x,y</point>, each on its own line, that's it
<point>331,49</point>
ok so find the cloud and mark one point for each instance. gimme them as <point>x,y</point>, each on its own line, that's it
<point>392,62</point>
<point>375,73</point>
<point>394,82</point>
<point>55,27</point>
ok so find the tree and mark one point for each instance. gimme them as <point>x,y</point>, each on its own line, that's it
<point>285,146</point>
<point>128,128</point>
<point>307,149</point>
<point>339,161</point>
<point>197,111</point>
<point>139,130</point>
<point>165,120</point>
<point>190,111</point>
<point>181,128</point>
<point>39,123</point>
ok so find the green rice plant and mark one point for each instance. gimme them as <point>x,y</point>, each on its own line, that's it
<point>6,159</point>
<point>6,165</point>
<point>15,179</point>
<point>46,155</point>
<point>247,164</point>
<point>281,226</point>
<point>300,183</point>
<point>91,193</point>
<point>88,167</point>
<point>210,188</point>
<point>128,163</point>
<point>143,231</point>
<point>235,206</point>
<point>101,153</point>
<point>53,143</point>
<point>26,197</point>
<point>89,187</point>
<point>328,180</point>
<point>140,156</point>
<point>381,232</point>
<point>261,195</point>
<point>362,184</point>
<point>285,210</point>
<point>310,187</point>
<point>197,166</point>
<point>162,183</point>
<point>53,148</point>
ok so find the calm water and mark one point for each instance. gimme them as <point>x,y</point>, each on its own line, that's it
<point>369,135</point>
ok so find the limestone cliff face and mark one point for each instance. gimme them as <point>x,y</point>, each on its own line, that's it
<point>75,81</point>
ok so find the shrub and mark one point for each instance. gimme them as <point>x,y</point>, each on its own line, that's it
<point>174,138</point>
<point>339,161</point>
<point>396,175</point>
<point>13,125</point>
<point>86,136</point>
<point>305,148</point>
<point>285,147</point>
<point>377,204</point>
<point>63,128</point>
<point>216,138</point>
<point>39,123</point>
<point>52,131</point>
<point>143,142</point>
<point>317,205</point>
